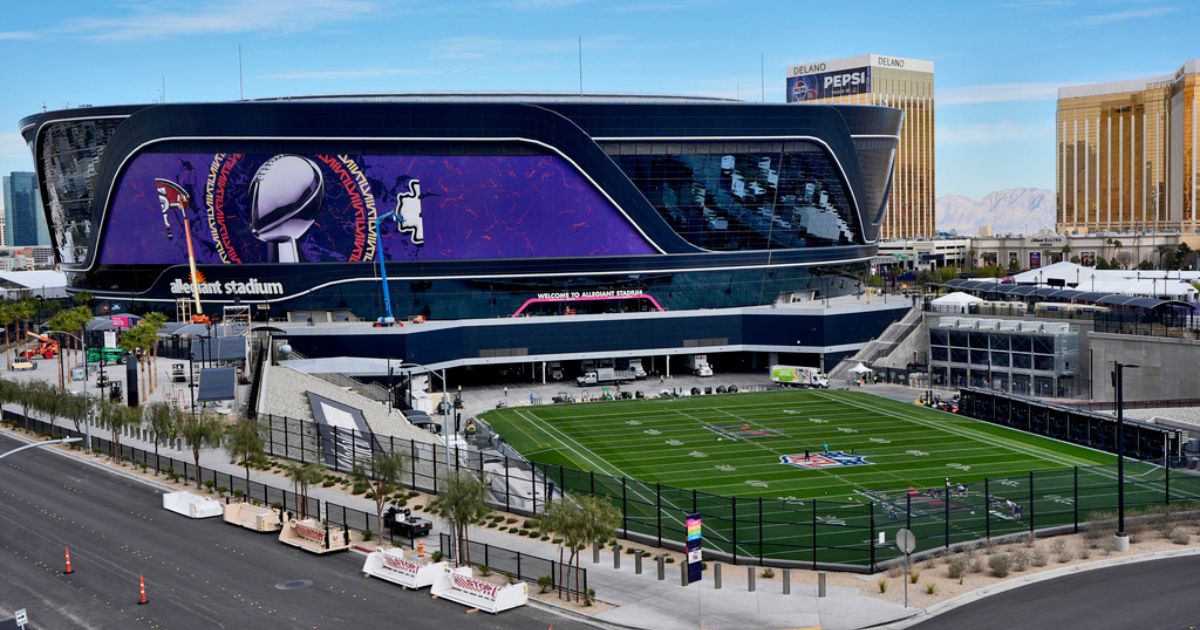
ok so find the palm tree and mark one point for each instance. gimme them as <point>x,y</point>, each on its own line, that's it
<point>61,321</point>
<point>136,341</point>
<point>160,419</point>
<point>598,520</point>
<point>244,441</point>
<point>115,417</point>
<point>154,321</point>
<point>199,431</point>
<point>303,475</point>
<point>462,501</point>
<point>386,471</point>
<point>8,315</point>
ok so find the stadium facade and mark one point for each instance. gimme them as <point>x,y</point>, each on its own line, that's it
<point>495,206</point>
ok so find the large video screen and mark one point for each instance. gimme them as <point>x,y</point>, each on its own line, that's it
<point>812,87</point>
<point>237,208</point>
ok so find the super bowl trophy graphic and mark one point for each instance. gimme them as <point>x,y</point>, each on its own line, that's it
<point>285,198</point>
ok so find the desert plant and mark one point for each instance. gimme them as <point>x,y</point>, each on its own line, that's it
<point>999,564</point>
<point>1084,552</point>
<point>957,567</point>
<point>914,577</point>
<point>461,501</point>
<point>367,534</point>
<point>243,440</point>
<point>895,571</point>
<point>768,573</point>
<point>544,583</point>
<point>1038,557</point>
<point>386,471</point>
<point>1180,536</point>
<point>485,570</point>
<point>1029,540</point>
<point>976,565</point>
<point>200,431</point>
<point>1020,560</point>
<point>931,589</point>
<point>437,556</point>
<point>589,597</point>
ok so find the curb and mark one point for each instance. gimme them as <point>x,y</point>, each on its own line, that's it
<point>578,616</point>
<point>1053,574</point>
<point>81,458</point>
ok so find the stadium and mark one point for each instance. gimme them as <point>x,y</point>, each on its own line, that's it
<point>474,211</point>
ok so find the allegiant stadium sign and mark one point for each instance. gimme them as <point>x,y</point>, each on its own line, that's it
<point>252,286</point>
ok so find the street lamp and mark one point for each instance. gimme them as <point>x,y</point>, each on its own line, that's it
<point>1121,538</point>
<point>68,440</point>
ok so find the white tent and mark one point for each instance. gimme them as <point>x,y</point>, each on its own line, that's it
<point>860,369</point>
<point>957,302</point>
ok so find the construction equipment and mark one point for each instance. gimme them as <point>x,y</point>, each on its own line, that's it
<point>46,348</point>
<point>172,196</point>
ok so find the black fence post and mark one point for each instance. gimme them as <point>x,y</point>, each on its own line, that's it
<point>533,483</point>
<point>733,518</point>
<point>412,454</point>
<point>592,482</point>
<point>433,449</point>
<point>562,481</point>
<point>625,506</point>
<point>760,530</point>
<point>987,510</point>
<point>871,540</point>
<point>1167,482</point>
<point>1075,500</point>
<point>814,534</point>
<point>694,508</point>
<point>908,507</point>
<point>658,511</point>
<point>946,516</point>
<point>1031,512</point>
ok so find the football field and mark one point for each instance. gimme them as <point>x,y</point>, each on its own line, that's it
<point>816,475</point>
<point>752,445</point>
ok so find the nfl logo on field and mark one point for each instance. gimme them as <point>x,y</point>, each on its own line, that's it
<point>824,460</point>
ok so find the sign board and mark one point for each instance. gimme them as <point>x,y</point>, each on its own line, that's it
<point>120,321</point>
<point>906,541</point>
<point>21,618</point>
<point>110,339</point>
<point>824,85</point>
<point>695,542</point>
<point>407,570</point>
<point>460,585</point>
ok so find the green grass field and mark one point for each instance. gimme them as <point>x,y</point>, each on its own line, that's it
<point>732,445</point>
<point>722,456</point>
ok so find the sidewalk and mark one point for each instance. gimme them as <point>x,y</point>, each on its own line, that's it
<point>641,601</point>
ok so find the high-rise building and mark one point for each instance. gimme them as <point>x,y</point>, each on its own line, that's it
<point>1126,154</point>
<point>24,221</point>
<point>906,84</point>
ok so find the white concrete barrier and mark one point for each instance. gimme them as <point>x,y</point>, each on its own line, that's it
<point>403,568</point>
<point>191,505</point>
<point>256,517</point>
<point>460,585</point>
<point>309,534</point>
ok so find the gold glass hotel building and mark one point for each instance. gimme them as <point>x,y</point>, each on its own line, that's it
<point>1126,154</point>
<point>906,84</point>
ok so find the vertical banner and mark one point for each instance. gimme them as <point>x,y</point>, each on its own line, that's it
<point>694,541</point>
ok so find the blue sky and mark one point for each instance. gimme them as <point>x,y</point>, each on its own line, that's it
<point>998,64</point>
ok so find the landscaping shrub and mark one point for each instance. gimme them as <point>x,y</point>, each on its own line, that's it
<point>957,567</point>
<point>1000,564</point>
<point>882,586</point>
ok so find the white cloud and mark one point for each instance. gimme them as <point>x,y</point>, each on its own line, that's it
<point>1124,16</point>
<point>16,35</point>
<point>345,73</point>
<point>994,133</point>
<point>998,93</point>
<point>472,48</point>
<point>180,19</point>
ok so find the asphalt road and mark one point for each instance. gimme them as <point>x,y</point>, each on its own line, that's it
<point>199,574</point>
<point>1154,595</point>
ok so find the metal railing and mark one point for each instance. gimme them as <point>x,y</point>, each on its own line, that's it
<point>521,565</point>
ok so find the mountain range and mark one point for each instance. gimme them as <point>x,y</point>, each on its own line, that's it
<point>1007,211</point>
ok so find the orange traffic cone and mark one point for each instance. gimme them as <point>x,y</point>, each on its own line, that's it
<point>142,590</point>
<point>69,570</point>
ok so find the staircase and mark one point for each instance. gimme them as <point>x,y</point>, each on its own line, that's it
<point>880,346</point>
<point>373,391</point>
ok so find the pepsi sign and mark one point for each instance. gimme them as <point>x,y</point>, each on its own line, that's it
<point>829,84</point>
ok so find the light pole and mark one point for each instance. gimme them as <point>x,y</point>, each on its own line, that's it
<point>69,440</point>
<point>83,343</point>
<point>1121,538</point>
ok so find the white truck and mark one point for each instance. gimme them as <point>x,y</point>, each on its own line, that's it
<point>605,376</point>
<point>697,364</point>
<point>794,376</point>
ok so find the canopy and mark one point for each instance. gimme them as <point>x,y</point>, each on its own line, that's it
<point>217,384</point>
<point>957,302</point>
<point>861,369</point>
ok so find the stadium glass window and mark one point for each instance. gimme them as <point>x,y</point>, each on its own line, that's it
<point>1043,344</point>
<point>978,340</point>
<point>1000,381</point>
<point>1043,362</point>
<point>1000,359</point>
<point>958,378</point>
<point>937,353</point>
<point>1043,386</point>
<point>979,379</point>
<point>1021,361</point>
<point>998,342</point>
<point>1021,343</point>
<point>938,337</point>
<point>743,196</point>
<point>1020,384</point>
<point>958,338</point>
<point>958,355</point>
<point>979,357</point>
